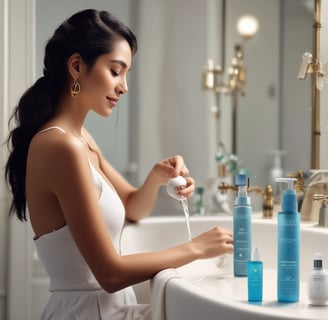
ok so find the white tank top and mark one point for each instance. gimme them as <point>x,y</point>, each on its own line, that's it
<point>76,293</point>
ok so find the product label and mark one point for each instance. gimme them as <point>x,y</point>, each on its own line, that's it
<point>242,239</point>
<point>255,280</point>
<point>288,256</point>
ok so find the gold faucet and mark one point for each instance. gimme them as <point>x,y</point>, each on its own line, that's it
<point>323,213</point>
<point>267,195</point>
<point>316,184</point>
<point>299,183</point>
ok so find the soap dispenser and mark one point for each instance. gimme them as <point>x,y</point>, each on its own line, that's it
<point>288,245</point>
<point>242,227</point>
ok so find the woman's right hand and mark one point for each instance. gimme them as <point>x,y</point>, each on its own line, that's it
<point>212,243</point>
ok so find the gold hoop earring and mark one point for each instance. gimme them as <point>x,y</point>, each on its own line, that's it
<point>75,89</point>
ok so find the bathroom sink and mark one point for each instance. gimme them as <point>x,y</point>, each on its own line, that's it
<point>207,289</point>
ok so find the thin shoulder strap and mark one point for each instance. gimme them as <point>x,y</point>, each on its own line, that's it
<point>53,127</point>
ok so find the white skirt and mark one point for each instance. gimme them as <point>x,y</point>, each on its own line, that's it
<point>95,305</point>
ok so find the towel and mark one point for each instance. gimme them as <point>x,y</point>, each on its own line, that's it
<point>158,285</point>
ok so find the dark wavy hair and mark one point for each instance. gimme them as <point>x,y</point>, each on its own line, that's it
<point>90,33</point>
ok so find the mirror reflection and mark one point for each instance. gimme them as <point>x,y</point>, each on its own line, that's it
<point>168,112</point>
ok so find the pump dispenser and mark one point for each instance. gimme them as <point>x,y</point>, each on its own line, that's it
<point>288,245</point>
<point>242,227</point>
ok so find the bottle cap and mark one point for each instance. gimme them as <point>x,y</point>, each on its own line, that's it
<point>289,200</point>
<point>317,261</point>
<point>256,254</point>
<point>241,180</point>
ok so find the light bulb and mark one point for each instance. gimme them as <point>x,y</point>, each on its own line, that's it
<point>247,26</point>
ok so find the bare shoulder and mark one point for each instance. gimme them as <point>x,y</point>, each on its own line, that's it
<point>55,152</point>
<point>55,144</point>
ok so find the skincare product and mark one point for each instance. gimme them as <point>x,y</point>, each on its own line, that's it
<point>288,245</point>
<point>242,227</point>
<point>255,277</point>
<point>318,283</point>
<point>172,186</point>
<point>198,201</point>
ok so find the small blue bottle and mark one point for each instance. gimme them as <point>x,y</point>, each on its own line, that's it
<point>242,227</point>
<point>255,277</point>
<point>288,285</point>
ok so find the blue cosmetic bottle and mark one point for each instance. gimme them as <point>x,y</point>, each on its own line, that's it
<point>288,245</point>
<point>242,227</point>
<point>255,277</point>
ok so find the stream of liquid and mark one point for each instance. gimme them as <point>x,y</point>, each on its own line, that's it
<point>185,208</point>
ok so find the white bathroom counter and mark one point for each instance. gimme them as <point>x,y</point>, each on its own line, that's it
<point>203,290</point>
<point>230,293</point>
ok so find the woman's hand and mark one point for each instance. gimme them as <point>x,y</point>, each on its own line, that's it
<point>140,202</point>
<point>171,168</point>
<point>212,243</point>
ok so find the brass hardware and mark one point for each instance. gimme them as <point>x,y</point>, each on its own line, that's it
<point>224,187</point>
<point>299,183</point>
<point>315,141</point>
<point>323,213</point>
<point>267,194</point>
<point>311,64</point>
<point>268,202</point>
<point>320,197</point>
<point>213,78</point>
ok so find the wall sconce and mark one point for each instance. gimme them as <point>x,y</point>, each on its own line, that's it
<point>310,65</point>
<point>213,75</point>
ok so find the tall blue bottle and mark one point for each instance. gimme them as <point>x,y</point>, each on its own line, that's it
<point>242,227</point>
<point>288,245</point>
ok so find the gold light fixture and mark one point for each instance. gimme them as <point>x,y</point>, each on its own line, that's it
<point>311,64</point>
<point>213,76</point>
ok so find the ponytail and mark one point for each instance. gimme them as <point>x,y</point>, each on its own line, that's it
<point>90,33</point>
<point>33,110</point>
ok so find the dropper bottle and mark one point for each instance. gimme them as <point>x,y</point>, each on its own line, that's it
<point>255,277</point>
<point>288,245</point>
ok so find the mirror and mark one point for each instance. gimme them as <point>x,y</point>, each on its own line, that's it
<point>275,112</point>
<point>167,112</point>
<point>175,114</point>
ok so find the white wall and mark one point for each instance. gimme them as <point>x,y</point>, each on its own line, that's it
<point>3,154</point>
<point>18,45</point>
<point>324,92</point>
<point>17,57</point>
<point>174,113</point>
<point>111,136</point>
<point>258,110</point>
<point>172,109</point>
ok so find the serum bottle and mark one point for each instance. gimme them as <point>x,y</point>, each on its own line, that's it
<point>242,227</point>
<point>288,245</point>
<point>318,283</point>
<point>255,277</point>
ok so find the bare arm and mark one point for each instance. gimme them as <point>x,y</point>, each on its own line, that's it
<point>73,187</point>
<point>139,203</point>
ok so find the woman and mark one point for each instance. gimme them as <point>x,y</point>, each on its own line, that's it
<point>76,201</point>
